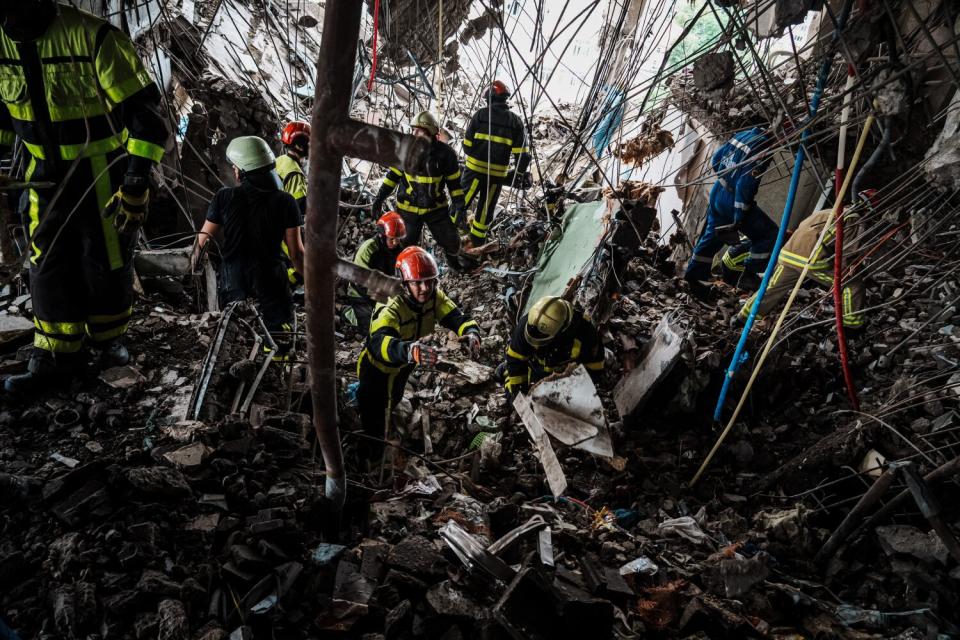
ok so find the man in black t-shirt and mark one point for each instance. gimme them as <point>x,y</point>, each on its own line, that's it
<point>255,217</point>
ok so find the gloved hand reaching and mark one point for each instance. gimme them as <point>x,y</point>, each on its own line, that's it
<point>422,354</point>
<point>471,340</point>
<point>128,209</point>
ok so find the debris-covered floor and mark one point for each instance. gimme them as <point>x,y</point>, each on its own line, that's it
<point>181,496</point>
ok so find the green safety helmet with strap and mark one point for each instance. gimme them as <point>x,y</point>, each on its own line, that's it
<point>249,153</point>
<point>425,120</point>
<point>546,319</point>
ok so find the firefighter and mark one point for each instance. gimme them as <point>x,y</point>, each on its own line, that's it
<point>255,216</point>
<point>75,92</point>
<point>732,266</point>
<point>794,256</point>
<point>296,145</point>
<point>421,199</point>
<point>393,346</point>
<point>378,253</point>
<point>551,336</point>
<point>494,135</point>
<point>739,165</point>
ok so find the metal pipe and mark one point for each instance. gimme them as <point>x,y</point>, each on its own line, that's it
<point>856,515</point>
<point>334,135</point>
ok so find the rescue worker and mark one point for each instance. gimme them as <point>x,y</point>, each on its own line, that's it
<point>732,209</point>
<point>794,256</point>
<point>255,216</point>
<point>74,90</point>
<point>421,199</point>
<point>296,145</point>
<point>494,135</point>
<point>378,253</point>
<point>551,336</point>
<point>393,346</point>
<point>732,266</point>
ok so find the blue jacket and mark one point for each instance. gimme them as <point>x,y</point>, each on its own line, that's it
<point>739,169</point>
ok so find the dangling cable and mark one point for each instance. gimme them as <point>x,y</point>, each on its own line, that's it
<point>376,30</point>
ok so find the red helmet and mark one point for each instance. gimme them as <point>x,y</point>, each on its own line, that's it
<point>391,225</point>
<point>295,132</point>
<point>416,265</point>
<point>498,91</point>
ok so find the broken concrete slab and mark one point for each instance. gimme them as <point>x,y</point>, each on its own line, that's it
<point>570,410</point>
<point>14,331</point>
<point>714,71</point>
<point>905,539</point>
<point>123,377</point>
<point>189,456</point>
<point>556,479</point>
<point>662,353</point>
<point>163,262</point>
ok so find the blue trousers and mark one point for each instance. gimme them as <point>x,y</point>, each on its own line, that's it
<point>759,229</point>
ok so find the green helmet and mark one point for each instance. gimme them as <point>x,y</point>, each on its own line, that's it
<point>425,120</point>
<point>249,153</point>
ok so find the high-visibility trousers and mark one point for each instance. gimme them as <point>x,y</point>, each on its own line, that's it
<point>785,277</point>
<point>378,393</point>
<point>487,189</point>
<point>81,268</point>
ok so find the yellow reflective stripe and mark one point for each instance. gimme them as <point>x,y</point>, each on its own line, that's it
<point>520,150</point>
<point>423,179</point>
<point>491,138</point>
<point>575,351</point>
<point>735,263</point>
<point>33,211</point>
<point>480,166</point>
<point>21,110</point>
<point>103,188</point>
<point>466,325</point>
<point>480,226</point>
<point>35,150</point>
<point>454,176</point>
<point>467,142</point>
<point>515,380</point>
<point>513,354</point>
<point>108,334</point>
<point>95,148</point>
<point>56,345</point>
<point>594,366</point>
<point>419,210</point>
<point>7,138</point>
<point>123,90</point>
<point>61,328</point>
<point>145,149</point>
<point>797,260</point>
<point>390,183</point>
<point>472,190</point>
<point>77,112</point>
<point>456,192</point>
<point>104,318</point>
<point>383,348</point>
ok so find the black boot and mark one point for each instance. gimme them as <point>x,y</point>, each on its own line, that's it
<point>113,354</point>
<point>45,369</point>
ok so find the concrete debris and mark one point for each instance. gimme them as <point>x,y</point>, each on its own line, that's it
<point>569,409</point>
<point>714,72</point>
<point>14,332</point>
<point>124,377</point>
<point>556,479</point>
<point>645,147</point>
<point>897,538</point>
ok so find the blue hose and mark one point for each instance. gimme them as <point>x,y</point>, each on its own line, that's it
<point>785,218</point>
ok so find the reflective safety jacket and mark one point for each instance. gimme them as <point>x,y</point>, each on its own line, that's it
<point>420,194</point>
<point>78,91</point>
<point>493,135</point>
<point>294,182</point>
<point>797,249</point>
<point>579,342</point>
<point>395,325</point>
<point>739,169</point>
<point>373,255</point>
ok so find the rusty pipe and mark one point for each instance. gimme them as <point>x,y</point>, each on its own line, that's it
<point>334,135</point>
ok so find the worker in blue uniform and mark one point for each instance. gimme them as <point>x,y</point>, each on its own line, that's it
<point>739,164</point>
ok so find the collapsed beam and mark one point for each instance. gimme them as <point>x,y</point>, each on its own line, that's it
<point>333,136</point>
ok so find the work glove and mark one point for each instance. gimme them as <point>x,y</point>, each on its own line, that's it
<point>729,233</point>
<point>455,213</point>
<point>128,209</point>
<point>422,354</point>
<point>376,210</point>
<point>471,340</point>
<point>521,181</point>
<point>513,388</point>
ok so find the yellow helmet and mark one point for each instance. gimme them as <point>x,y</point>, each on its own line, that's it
<point>547,317</point>
<point>425,120</point>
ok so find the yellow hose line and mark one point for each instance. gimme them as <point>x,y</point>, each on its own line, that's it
<point>793,294</point>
